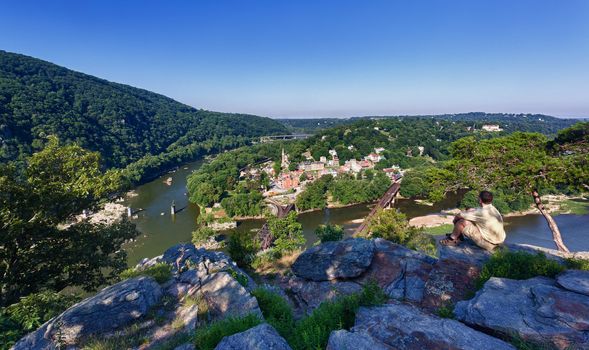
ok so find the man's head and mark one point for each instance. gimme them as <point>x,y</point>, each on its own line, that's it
<point>486,197</point>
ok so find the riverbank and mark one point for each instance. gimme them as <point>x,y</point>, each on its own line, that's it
<point>554,204</point>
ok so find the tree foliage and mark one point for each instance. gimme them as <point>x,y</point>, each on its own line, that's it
<point>327,233</point>
<point>36,252</point>
<point>287,232</point>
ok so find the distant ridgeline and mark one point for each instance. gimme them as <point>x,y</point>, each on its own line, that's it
<point>130,127</point>
<point>508,122</point>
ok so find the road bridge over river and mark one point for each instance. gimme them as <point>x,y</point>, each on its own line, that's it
<point>271,138</point>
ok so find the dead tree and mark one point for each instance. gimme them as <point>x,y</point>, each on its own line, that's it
<point>551,223</point>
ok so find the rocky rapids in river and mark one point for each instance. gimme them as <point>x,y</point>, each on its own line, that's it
<point>543,310</point>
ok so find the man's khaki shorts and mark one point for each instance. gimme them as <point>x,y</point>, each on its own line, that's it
<point>472,231</point>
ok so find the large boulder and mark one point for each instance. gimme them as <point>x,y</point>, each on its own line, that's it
<point>262,337</point>
<point>402,326</point>
<point>535,309</point>
<point>112,308</point>
<point>308,295</point>
<point>331,260</point>
<point>452,277</point>
<point>191,264</point>
<point>401,272</point>
<point>226,297</point>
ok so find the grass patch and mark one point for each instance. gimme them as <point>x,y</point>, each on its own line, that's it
<point>313,331</point>
<point>208,337</point>
<point>446,311</point>
<point>522,344</point>
<point>160,272</point>
<point>517,266</point>
<point>276,310</point>
<point>576,207</point>
<point>131,337</point>
<point>438,230</point>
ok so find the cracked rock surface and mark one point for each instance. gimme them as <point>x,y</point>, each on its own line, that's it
<point>536,309</point>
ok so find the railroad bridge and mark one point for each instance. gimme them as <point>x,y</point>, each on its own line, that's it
<point>264,235</point>
<point>386,202</point>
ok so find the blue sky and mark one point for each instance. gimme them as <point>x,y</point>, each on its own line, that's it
<point>322,58</point>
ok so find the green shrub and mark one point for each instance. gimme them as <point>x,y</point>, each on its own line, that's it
<point>242,247</point>
<point>313,331</point>
<point>202,235</point>
<point>518,266</point>
<point>277,312</point>
<point>327,233</point>
<point>423,242</point>
<point>446,311</point>
<point>208,337</point>
<point>266,258</point>
<point>30,313</point>
<point>161,272</point>
<point>577,264</point>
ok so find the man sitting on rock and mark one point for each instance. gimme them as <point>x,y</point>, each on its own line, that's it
<point>484,225</point>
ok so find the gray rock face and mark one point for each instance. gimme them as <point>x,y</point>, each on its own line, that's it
<point>344,340</point>
<point>402,326</point>
<point>308,295</point>
<point>226,297</point>
<point>113,307</point>
<point>332,260</point>
<point>262,337</point>
<point>399,271</point>
<point>574,280</point>
<point>466,252</point>
<point>535,309</point>
<point>192,264</point>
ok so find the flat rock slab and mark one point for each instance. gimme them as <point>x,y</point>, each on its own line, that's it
<point>402,326</point>
<point>262,337</point>
<point>467,252</point>
<point>111,309</point>
<point>331,260</point>
<point>226,297</point>
<point>535,309</point>
<point>344,340</point>
<point>574,280</point>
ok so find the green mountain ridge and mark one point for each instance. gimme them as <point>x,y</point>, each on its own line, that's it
<point>125,124</point>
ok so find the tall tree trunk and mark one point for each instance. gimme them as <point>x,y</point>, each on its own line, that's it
<point>551,223</point>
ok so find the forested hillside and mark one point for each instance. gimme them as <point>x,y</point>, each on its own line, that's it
<point>508,122</point>
<point>123,123</point>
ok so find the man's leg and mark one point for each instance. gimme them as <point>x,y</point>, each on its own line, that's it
<point>459,226</point>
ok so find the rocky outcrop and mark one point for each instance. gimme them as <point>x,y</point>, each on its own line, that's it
<point>308,295</point>
<point>262,337</point>
<point>332,260</point>
<point>399,271</point>
<point>200,278</point>
<point>536,310</point>
<point>226,297</point>
<point>112,308</point>
<point>402,326</point>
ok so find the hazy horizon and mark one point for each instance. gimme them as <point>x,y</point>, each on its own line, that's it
<point>334,59</point>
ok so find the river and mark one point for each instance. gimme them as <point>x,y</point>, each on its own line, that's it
<point>160,230</point>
